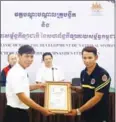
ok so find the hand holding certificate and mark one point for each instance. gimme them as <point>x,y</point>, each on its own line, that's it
<point>58,97</point>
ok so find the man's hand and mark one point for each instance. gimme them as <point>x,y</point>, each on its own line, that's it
<point>46,112</point>
<point>37,86</point>
<point>41,85</point>
<point>77,88</point>
<point>69,85</point>
<point>73,112</point>
<point>73,88</point>
<point>29,102</point>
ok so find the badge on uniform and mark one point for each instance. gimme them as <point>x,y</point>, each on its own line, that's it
<point>92,81</point>
<point>83,80</point>
<point>104,78</point>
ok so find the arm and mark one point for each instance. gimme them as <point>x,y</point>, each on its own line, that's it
<point>88,105</point>
<point>29,102</point>
<point>19,88</point>
<point>100,90</point>
<point>77,88</point>
<point>92,102</point>
<point>36,86</point>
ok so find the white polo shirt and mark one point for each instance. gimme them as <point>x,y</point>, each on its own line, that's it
<point>46,74</point>
<point>17,82</point>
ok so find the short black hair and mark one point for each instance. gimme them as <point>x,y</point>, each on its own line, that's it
<point>46,54</point>
<point>26,49</point>
<point>90,49</point>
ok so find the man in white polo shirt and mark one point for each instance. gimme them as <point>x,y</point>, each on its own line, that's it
<point>49,72</point>
<point>18,89</point>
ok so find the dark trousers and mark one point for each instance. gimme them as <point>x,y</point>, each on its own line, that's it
<point>95,121</point>
<point>94,118</point>
<point>15,115</point>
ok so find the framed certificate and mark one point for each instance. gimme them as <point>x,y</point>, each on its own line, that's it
<point>58,97</point>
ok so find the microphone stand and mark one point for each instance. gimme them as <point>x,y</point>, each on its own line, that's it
<point>52,73</point>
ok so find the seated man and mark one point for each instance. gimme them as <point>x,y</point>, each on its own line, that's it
<point>12,59</point>
<point>49,72</point>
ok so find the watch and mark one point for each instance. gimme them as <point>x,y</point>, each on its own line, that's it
<point>78,112</point>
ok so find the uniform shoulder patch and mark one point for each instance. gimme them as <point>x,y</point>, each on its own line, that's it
<point>104,77</point>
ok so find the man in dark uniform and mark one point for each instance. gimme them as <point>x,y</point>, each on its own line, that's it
<point>95,85</point>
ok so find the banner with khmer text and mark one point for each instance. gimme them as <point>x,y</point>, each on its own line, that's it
<point>63,28</point>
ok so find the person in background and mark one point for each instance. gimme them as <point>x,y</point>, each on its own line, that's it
<point>12,59</point>
<point>48,72</point>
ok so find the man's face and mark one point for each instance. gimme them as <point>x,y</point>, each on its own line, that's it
<point>12,59</point>
<point>89,59</point>
<point>26,60</point>
<point>48,60</point>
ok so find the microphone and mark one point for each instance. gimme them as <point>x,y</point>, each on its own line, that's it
<point>54,68</point>
<point>52,73</point>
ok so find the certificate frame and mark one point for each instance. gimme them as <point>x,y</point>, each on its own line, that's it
<point>47,97</point>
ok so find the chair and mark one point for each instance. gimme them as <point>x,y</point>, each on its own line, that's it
<point>76,82</point>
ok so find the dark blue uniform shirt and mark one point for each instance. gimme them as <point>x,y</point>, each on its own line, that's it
<point>97,81</point>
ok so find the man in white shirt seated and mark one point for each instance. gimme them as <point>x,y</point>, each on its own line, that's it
<point>48,72</point>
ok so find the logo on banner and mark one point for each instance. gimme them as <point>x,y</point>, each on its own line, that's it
<point>92,81</point>
<point>96,9</point>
